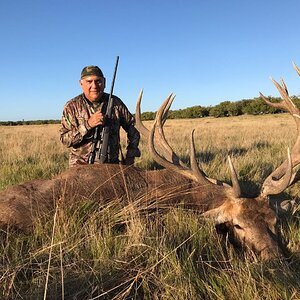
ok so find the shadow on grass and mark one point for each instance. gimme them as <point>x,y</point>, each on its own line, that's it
<point>114,284</point>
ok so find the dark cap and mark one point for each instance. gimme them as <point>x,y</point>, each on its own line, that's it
<point>91,70</point>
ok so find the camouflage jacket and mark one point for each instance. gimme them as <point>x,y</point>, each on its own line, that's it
<point>77,134</point>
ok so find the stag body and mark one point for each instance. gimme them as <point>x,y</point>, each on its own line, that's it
<point>20,204</point>
<point>250,222</point>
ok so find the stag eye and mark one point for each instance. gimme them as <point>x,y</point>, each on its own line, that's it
<point>237,226</point>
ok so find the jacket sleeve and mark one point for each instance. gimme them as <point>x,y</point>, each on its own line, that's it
<point>73,128</point>
<point>133,135</point>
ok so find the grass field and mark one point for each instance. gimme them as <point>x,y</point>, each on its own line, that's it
<point>107,252</point>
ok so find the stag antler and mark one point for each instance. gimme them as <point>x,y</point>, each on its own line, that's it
<point>169,158</point>
<point>282,177</point>
<point>164,148</point>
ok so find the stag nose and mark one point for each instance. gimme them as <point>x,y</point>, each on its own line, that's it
<point>270,248</point>
<point>269,253</point>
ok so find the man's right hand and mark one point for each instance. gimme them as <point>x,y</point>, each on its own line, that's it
<point>96,119</point>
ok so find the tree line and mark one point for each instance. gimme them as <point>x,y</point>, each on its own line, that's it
<point>30,122</point>
<point>255,106</point>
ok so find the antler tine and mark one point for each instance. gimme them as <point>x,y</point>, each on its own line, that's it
<point>281,88</point>
<point>174,163</point>
<point>234,180</point>
<point>296,68</point>
<point>175,166</point>
<point>145,131</point>
<point>286,103</point>
<point>167,108</point>
<point>194,165</point>
<point>161,117</point>
<point>278,178</point>
<point>138,118</point>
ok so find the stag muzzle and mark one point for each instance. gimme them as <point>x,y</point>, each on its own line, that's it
<point>270,253</point>
<point>264,245</point>
<point>267,246</point>
<point>270,247</point>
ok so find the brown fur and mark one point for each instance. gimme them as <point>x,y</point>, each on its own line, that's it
<point>251,223</point>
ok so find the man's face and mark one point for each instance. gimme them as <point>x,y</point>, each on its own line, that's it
<point>93,87</point>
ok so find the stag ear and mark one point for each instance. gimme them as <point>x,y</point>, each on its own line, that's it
<point>288,206</point>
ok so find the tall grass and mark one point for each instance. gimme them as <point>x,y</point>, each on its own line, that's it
<point>29,152</point>
<point>90,250</point>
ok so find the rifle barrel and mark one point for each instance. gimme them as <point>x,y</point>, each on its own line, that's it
<point>106,128</point>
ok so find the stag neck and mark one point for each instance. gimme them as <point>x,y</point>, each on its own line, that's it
<point>205,197</point>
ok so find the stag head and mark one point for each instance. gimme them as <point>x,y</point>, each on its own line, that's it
<point>248,221</point>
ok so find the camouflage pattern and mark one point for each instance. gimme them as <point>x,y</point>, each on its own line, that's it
<point>91,70</point>
<point>78,135</point>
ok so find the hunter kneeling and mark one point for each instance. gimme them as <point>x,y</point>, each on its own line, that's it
<point>84,119</point>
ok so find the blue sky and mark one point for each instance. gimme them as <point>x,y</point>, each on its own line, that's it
<point>205,52</point>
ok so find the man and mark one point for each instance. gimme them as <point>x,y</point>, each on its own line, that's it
<point>82,114</point>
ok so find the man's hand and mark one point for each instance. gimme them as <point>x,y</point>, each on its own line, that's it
<point>129,161</point>
<point>96,119</point>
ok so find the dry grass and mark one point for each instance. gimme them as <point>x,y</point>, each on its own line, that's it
<point>88,251</point>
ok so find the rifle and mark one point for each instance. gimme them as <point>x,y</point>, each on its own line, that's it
<point>106,128</point>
